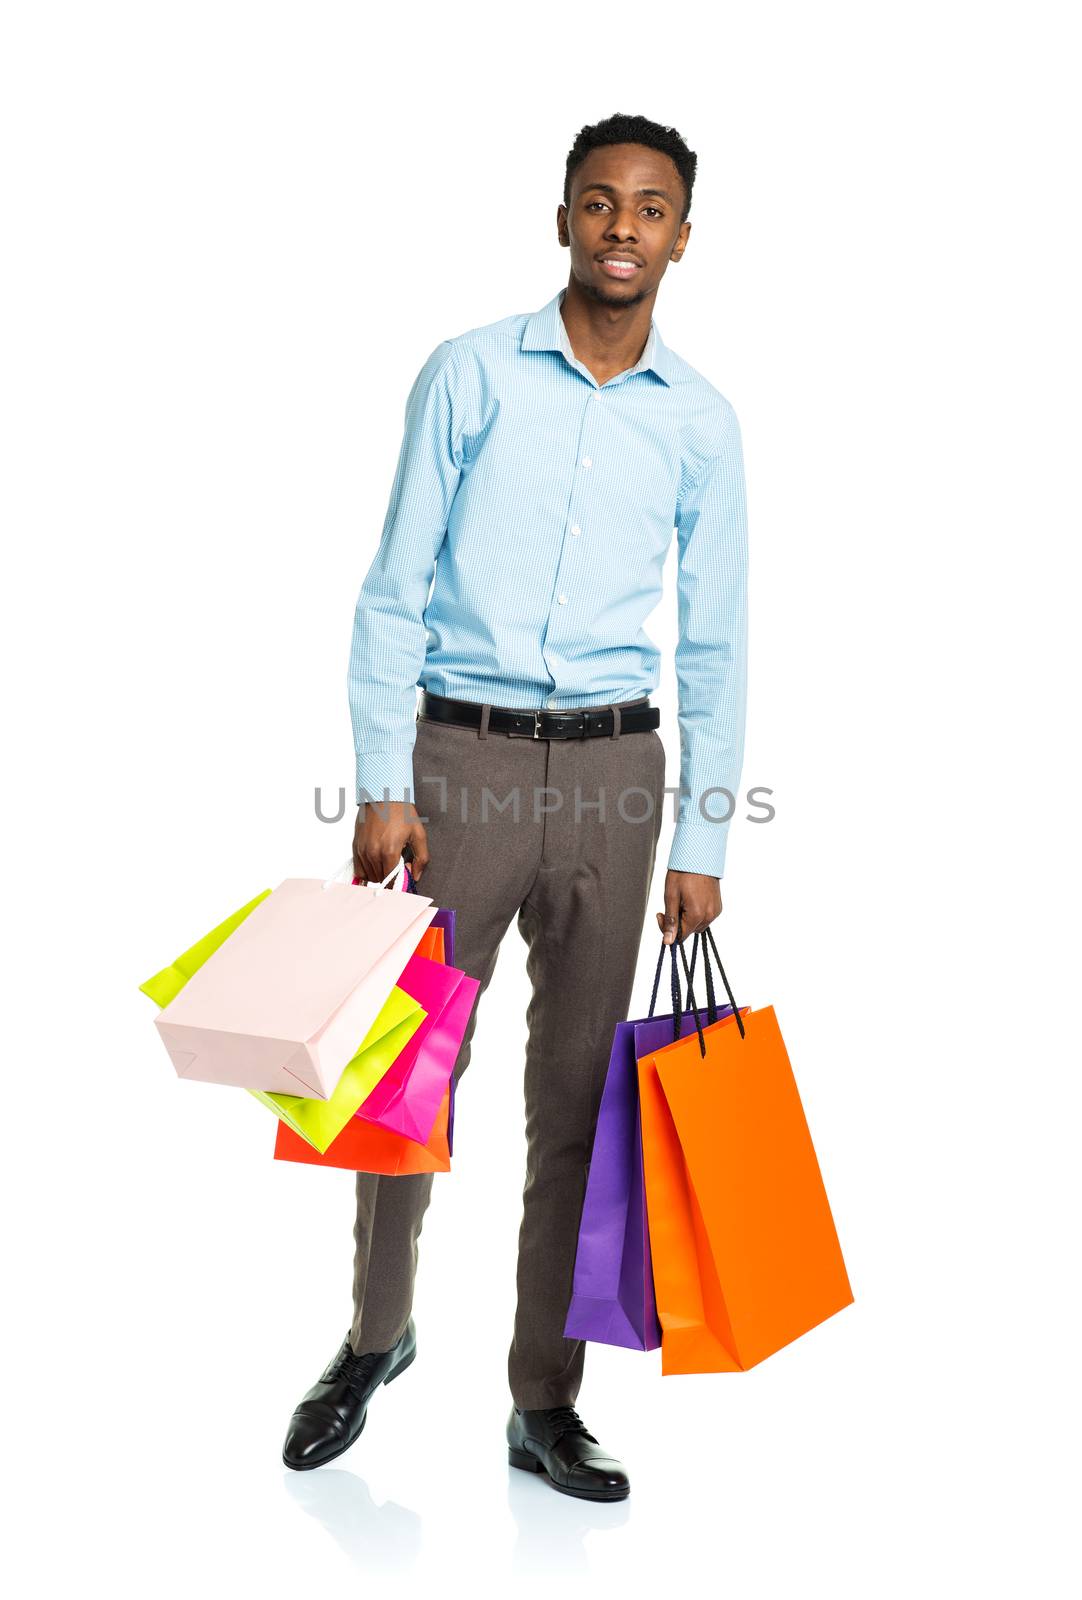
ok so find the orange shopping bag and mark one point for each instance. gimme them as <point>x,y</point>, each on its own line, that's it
<point>364,1147</point>
<point>745,1253</point>
<point>432,945</point>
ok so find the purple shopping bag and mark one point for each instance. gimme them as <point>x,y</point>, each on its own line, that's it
<point>612,1298</point>
<point>444,918</point>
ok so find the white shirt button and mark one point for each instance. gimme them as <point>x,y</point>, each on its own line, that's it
<point>552,705</point>
<point>563,599</point>
<point>586,461</point>
<point>575,529</point>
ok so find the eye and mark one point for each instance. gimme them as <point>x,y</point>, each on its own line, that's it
<point>654,209</point>
<point>591,203</point>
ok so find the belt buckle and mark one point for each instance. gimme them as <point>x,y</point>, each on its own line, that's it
<point>537,725</point>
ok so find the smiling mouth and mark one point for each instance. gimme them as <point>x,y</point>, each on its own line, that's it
<point>619,266</point>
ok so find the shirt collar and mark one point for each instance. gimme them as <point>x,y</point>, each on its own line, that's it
<point>545,330</point>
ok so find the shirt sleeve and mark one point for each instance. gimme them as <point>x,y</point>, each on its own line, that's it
<point>711,653</point>
<point>389,639</point>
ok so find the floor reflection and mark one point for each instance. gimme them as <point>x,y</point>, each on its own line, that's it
<point>552,1527</point>
<point>377,1538</point>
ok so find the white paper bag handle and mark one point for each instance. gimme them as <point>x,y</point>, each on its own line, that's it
<point>344,874</point>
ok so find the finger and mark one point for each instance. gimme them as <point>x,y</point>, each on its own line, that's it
<point>372,869</point>
<point>417,846</point>
<point>671,920</point>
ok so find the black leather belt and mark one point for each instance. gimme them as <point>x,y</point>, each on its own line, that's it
<point>637,716</point>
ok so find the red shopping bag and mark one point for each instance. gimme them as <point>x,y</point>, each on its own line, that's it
<point>362,1147</point>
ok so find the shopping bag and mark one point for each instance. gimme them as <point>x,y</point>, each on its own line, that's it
<point>438,941</point>
<point>445,920</point>
<point>612,1300</point>
<point>407,1098</point>
<point>400,1021</point>
<point>362,1147</point>
<point>451,1119</point>
<point>745,1253</point>
<point>282,1001</point>
<point>167,984</point>
<point>432,945</point>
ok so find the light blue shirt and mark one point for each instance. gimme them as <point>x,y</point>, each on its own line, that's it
<point>544,505</point>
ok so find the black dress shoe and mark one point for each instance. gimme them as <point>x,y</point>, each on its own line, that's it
<point>555,1441</point>
<point>332,1413</point>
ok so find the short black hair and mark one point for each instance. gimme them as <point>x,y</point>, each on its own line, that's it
<point>633,130</point>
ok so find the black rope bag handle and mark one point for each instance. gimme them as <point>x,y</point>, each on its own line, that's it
<point>678,1008</point>
<point>708,945</point>
<point>711,1002</point>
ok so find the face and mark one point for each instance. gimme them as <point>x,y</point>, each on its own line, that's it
<point>623,225</point>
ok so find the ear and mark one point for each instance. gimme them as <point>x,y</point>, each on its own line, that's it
<point>681,242</point>
<point>561,226</point>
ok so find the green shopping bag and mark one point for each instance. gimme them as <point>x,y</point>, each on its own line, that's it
<point>321,1121</point>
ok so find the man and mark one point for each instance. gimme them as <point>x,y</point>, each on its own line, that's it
<point>546,462</point>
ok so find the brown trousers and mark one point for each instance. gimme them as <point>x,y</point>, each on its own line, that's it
<point>579,887</point>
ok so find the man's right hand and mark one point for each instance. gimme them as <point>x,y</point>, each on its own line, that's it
<point>381,835</point>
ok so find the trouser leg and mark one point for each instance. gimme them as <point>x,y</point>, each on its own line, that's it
<point>582,922</point>
<point>385,1257</point>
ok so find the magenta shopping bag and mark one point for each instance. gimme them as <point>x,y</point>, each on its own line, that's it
<point>612,1298</point>
<point>445,919</point>
<point>407,1099</point>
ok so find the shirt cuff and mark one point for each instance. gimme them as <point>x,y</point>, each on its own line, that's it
<point>385,775</point>
<point>699,847</point>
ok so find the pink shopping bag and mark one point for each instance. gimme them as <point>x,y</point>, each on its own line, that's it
<point>408,1098</point>
<point>281,1005</point>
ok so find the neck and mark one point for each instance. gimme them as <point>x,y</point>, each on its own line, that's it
<point>606,336</point>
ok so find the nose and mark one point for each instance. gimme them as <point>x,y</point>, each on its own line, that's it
<point>623,224</point>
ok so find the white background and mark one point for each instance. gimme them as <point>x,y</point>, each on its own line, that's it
<point>233,233</point>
